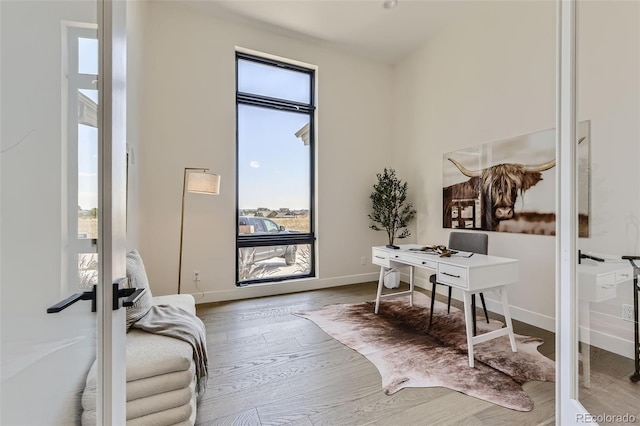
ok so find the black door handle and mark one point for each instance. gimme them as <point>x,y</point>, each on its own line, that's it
<point>131,295</point>
<point>135,296</point>
<point>63,304</point>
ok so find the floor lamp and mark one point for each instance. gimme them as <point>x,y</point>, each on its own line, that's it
<point>198,181</point>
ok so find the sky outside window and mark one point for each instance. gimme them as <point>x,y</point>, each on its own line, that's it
<point>88,135</point>
<point>88,56</point>
<point>274,82</point>
<point>273,164</point>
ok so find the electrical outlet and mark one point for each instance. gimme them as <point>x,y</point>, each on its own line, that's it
<point>196,276</point>
<point>627,312</point>
<point>363,260</point>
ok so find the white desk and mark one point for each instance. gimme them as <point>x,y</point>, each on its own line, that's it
<point>597,282</point>
<point>470,274</point>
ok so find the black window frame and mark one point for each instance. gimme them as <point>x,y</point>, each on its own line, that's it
<point>261,101</point>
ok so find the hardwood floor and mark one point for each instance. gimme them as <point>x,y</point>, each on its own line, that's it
<point>270,367</point>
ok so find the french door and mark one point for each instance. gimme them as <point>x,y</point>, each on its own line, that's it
<point>597,291</point>
<point>62,127</point>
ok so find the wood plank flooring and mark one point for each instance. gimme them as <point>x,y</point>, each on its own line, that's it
<point>269,367</point>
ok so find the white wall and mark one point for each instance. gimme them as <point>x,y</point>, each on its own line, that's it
<point>188,120</point>
<point>136,12</point>
<point>491,76</point>
<point>485,78</point>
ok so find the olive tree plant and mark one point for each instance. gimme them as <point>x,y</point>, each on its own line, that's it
<point>390,210</point>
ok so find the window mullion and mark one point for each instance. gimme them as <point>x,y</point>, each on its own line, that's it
<point>267,102</point>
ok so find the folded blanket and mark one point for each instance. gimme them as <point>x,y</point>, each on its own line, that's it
<point>182,415</point>
<point>163,372</point>
<point>171,321</point>
<point>151,355</point>
<point>159,384</point>
<point>159,402</point>
<point>171,417</point>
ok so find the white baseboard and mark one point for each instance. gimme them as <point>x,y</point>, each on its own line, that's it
<point>276,288</point>
<point>520,314</point>
<point>541,321</point>
<point>609,342</point>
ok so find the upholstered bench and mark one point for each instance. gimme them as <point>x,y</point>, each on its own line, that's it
<point>161,380</point>
<point>161,371</point>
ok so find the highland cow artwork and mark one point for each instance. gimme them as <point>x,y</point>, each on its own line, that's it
<point>510,185</point>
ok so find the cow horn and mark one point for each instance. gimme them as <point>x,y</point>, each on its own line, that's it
<point>546,166</point>
<point>464,170</point>
<point>540,167</point>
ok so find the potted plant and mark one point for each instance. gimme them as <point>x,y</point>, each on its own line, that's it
<point>391,212</point>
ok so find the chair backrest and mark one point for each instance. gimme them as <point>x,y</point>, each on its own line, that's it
<point>469,241</point>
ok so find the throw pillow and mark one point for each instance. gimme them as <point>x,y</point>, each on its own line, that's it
<point>137,276</point>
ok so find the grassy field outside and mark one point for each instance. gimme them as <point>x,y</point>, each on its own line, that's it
<point>88,226</point>
<point>297,224</point>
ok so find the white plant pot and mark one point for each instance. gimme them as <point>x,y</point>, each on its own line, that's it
<point>392,279</point>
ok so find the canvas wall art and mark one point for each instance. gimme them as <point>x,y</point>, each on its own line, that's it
<point>510,185</point>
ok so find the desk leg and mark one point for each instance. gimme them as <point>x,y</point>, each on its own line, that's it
<point>380,281</point>
<point>411,268</point>
<point>584,341</point>
<point>507,318</point>
<point>468,320</point>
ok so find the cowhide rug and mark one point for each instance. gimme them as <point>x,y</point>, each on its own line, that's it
<point>409,354</point>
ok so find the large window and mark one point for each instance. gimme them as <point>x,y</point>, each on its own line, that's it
<point>275,165</point>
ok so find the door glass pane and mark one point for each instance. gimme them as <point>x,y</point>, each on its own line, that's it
<point>44,356</point>
<point>83,154</point>
<point>87,270</point>
<point>87,144</point>
<point>609,98</point>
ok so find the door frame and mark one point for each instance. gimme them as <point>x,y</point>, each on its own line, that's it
<point>568,408</point>
<point>111,350</point>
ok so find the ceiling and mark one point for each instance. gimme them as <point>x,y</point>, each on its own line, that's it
<point>363,27</point>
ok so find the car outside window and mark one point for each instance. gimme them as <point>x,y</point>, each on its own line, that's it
<point>271,227</point>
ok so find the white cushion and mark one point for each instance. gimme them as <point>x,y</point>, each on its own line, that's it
<point>137,276</point>
<point>149,355</point>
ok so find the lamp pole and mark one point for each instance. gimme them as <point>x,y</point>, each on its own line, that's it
<point>184,191</point>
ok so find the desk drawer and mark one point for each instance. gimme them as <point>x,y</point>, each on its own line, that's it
<point>419,260</point>
<point>622,276</point>
<point>452,275</point>
<point>605,287</point>
<point>598,287</point>
<point>383,258</point>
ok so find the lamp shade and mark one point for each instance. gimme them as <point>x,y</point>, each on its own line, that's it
<point>203,183</point>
